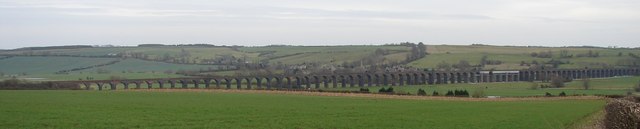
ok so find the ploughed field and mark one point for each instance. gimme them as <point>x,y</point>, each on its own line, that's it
<point>148,109</point>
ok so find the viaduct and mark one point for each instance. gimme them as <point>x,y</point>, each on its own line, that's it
<point>285,82</point>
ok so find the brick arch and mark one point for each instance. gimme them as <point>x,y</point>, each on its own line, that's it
<point>317,82</point>
<point>369,80</point>
<point>360,80</point>
<point>248,81</point>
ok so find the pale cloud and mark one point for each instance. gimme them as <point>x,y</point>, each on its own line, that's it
<point>262,22</point>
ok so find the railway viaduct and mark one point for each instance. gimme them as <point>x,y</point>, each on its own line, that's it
<point>286,82</point>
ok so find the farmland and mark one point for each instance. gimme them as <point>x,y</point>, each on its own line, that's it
<point>513,56</point>
<point>140,109</point>
<point>220,108</point>
<point>610,86</point>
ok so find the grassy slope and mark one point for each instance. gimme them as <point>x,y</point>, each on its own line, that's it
<point>148,66</point>
<point>512,56</point>
<point>153,52</point>
<point>39,65</point>
<point>89,109</point>
<point>44,67</point>
<point>322,54</point>
<point>328,54</point>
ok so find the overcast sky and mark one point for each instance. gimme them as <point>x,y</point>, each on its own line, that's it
<point>328,22</point>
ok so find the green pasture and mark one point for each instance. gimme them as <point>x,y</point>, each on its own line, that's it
<point>108,109</point>
<point>135,65</point>
<point>602,86</point>
<point>322,54</point>
<point>43,68</point>
<point>451,54</point>
<point>40,65</point>
<point>513,56</point>
<point>95,76</point>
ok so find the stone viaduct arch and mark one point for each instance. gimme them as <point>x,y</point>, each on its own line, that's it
<point>359,79</point>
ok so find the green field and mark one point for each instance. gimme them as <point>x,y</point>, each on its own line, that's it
<point>44,68</point>
<point>324,54</point>
<point>512,56</point>
<point>136,65</point>
<point>320,56</point>
<point>93,109</point>
<point>50,65</point>
<point>604,86</point>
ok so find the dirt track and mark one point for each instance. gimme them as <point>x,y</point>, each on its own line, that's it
<point>367,95</point>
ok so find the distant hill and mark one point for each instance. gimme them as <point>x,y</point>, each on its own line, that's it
<point>204,58</point>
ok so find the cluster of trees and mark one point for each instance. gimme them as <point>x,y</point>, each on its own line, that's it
<point>192,45</point>
<point>87,67</point>
<point>543,54</point>
<point>15,84</point>
<point>590,53</point>
<point>364,90</point>
<point>565,54</point>
<point>637,87</point>
<point>462,65</point>
<point>417,51</point>
<point>457,93</point>
<point>559,81</point>
<point>421,92</point>
<point>561,94</point>
<point>485,61</point>
<point>633,61</point>
<point>386,91</point>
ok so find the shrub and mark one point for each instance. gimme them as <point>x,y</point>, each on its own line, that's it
<point>534,86</point>
<point>421,92</point>
<point>435,93</point>
<point>388,91</point>
<point>15,84</point>
<point>637,87</point>
<point>557,81</point>
<point>562,94</point>
<point>364,90</point>
<point>547,94</point>
<point>462,93</point>
<point>585,83</point>
<point>449,93</point>
<point>478,93</point>
<point>382,90</point>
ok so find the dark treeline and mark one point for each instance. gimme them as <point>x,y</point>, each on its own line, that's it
<point>15,84</point>
<point>194,45</point>
<point>87,67</point>
<point>55,47</point>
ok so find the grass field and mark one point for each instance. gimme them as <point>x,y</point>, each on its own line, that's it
<point>608,86</point>
<point>37,67</point>
<point>93,109</point>
<point>136,65</point>
<point>40,65</point>
<point>512,56</point>
<point>43,68</point>
<point>323,54</point>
